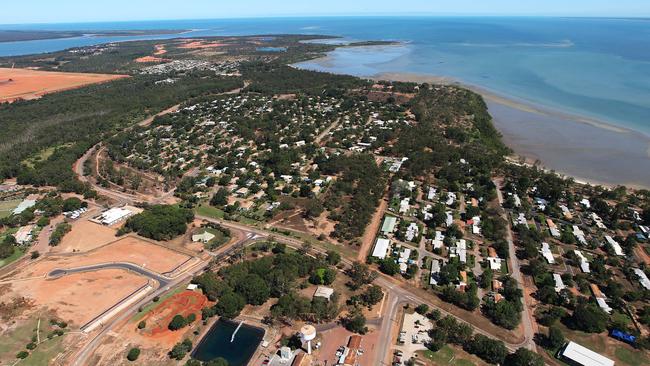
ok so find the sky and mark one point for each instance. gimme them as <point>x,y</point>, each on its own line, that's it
<point>71,11</point>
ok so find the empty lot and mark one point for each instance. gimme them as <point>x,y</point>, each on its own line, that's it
<point>31,84</point>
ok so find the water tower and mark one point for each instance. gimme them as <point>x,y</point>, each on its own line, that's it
<point>307,334</point>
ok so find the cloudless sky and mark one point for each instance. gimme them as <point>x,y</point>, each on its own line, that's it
<point>64,11</point>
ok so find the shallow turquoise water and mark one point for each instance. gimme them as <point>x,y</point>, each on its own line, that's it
<point>598,68</point>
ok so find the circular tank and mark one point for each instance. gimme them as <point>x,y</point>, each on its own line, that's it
<point>308,332</point>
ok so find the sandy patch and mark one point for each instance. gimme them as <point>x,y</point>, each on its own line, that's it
<point>201,45</point>
<point>78,298</point>
<point>128,249</point>
<point>151,59</point>
<point>85,236</point>
<point>160,50</point>
<point>32,84</point>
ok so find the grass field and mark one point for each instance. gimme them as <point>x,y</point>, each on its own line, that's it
<point>46,351</point>
<point>18,252</point>
<point>153,305</point>
<point>620,352</point>
<point>6,207</point>
<point>448,356</point>
<point>219,239</point>
<point>209,211</point>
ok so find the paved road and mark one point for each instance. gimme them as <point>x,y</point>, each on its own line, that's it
<point>526,316</point>
<point>83,355</point>
<point>162,280</point>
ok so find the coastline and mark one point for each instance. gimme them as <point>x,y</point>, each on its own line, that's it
<point>495,97</point>
<point>533,152</point>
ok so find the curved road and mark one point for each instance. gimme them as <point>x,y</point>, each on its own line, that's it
<point>162,280</point>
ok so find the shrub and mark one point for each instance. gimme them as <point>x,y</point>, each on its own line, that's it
<point>22,354</point>
<point>178,322</point>
<point>142,325</point>
<point>133,354</point>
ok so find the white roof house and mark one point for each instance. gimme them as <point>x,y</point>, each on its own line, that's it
<point>579,234</point>
<point>431,194</point>
<point>451,198</point>
<point>404,205</point>
<point>204,237</point>
<point>617,247</point>
<point>559,284</point>
<point>603,305</point>
<point>547,254</point>
<point>643,278</point>
<point>381,248</point>
<point>495,263</point>
<point>438,241</point>
<point>585,202</point>
<point>412,231</point>
<point>584,263</point>
<point>25,204</point>
<point>24,234</point>
<point>404,256</point>
<point>460,251</point>
<point>324,292</point>
<point>435,270</point>
<point>388,225</point>
<point>476,225</point>
<point>517,200</point>
<point>584,356</point>
<point>449,220</point>
<point>115,215</point>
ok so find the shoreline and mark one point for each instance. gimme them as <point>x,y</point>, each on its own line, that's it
<point>510,101</point>
<point>529,157</point>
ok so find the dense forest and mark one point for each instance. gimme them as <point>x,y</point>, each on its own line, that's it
<point>71,122</point>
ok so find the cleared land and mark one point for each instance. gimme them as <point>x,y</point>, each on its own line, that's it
<point>129,249</point>
<point>85,236</point>
<point>31,84</point>
<point>78,298</point>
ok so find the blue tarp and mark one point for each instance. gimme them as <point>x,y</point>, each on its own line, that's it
<point>623,336</point>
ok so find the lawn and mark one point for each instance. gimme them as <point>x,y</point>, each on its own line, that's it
<point>46,351</point>
<point>209,211</point>
<point>220,238</point>
<point>152,305</point>
<point>18,252</point>
<point>6,207</point>
<point>448,356</point>
<point>620,352</point>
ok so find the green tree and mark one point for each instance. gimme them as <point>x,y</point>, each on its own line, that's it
<point>133,354</point>
<point>230,305</point>
<point>333,257</point>
<point>177,322</point>
<point>555,338</point>
<point>220,198</point>
<point>524,357</point>
<point>588,318</point>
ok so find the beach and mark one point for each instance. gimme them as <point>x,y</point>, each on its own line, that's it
<point>586,149</point>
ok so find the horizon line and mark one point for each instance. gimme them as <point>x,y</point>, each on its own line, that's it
<point>379,15</point>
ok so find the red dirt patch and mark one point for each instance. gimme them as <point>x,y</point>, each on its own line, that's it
<point>184,303</point>
<point>160,50</point>
<point>151,59</point>
<point>201,45</point>
<point>32,84</point>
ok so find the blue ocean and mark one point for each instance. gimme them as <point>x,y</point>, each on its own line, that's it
<point>598,68</point>
<point>577,90</point>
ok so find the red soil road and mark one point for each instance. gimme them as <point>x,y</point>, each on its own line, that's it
<point>368,238</point>
<point>32,84</point>
<point>641,253</point>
